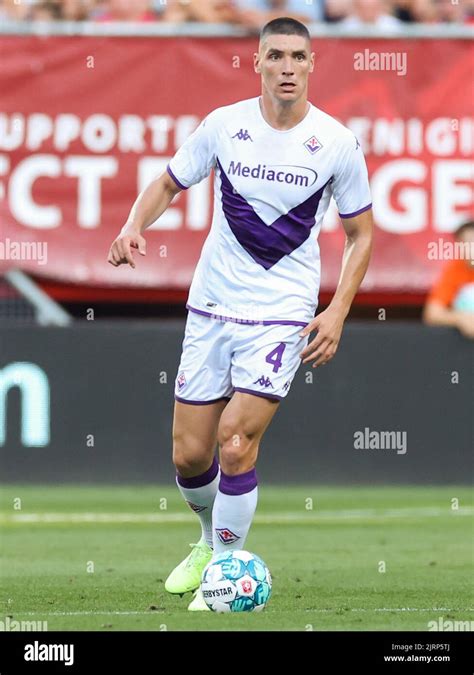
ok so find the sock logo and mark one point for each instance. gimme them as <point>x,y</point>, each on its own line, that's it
<point>226,536</point>
<point>195,507</point>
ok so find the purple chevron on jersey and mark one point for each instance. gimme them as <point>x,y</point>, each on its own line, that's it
<point>267,244</point>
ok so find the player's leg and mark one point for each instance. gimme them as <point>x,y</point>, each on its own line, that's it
<point>264,362</point>
<point>197,469</point>
<point>202,390</point>
<point>197,478</point>
<point>241,428</point>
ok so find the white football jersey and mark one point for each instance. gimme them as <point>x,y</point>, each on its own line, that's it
<point>260,261</point>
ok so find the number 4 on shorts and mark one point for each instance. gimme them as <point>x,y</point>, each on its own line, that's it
<point>275,356</point>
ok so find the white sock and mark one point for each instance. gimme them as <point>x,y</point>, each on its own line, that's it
<point>233,511</point>
<point>199,493</point>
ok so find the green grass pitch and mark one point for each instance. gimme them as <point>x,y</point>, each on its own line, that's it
<point>359,558</point>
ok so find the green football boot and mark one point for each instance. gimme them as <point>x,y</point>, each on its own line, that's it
<point>186,576</point>
<point>198,604</point>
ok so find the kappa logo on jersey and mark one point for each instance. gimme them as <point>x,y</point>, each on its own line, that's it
<point>195,507</point>
<point>226,536</point>
<point>243,135</point>
<point>313,145</point>
<point>264,381</point>
<point>181,380</point>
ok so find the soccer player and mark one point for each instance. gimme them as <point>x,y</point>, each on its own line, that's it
<point>277,160</point>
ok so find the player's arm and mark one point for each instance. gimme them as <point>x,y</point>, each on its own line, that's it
<point>437,314</point>
<point>191,164</point>
<point>149,205</point>
<point>329,324</point>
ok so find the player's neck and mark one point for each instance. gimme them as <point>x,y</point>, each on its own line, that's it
<point>282,116</point>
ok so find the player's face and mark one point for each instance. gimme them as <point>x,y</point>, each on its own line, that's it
<point>285,62</point>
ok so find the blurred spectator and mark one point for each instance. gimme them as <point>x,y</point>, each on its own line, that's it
<point>126,10</point>
<point>45,11</point>
<point>336,10</point>
<point>204,11</point>
<point>366,13</point>
<point>77,10</point>
<point>451,300</point>
<point>256,13</point>
<point>448,11</point>
<point>9,9</point>
<point>421,11</point>
<point>252,14</point>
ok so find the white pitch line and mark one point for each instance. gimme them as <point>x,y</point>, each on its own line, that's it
<point>325,611</point>
<point>263,519</point>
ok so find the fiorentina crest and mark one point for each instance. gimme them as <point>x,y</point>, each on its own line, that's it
<point>181,380</point>
<point>313,145</point>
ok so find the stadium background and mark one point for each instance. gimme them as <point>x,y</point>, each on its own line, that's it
<point>91,110</point>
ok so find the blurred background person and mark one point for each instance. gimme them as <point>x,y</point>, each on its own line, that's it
<point>12,11</point>
<point>77,10</point>
<point>451,300</point>
<point>415,11</point>
<point>448,11</point>
<point>45,11</point>
<point>202,11</point>
<point>376,13</point>
<point>125,10</point>
<point>255,13</point>
<point>336,10</point>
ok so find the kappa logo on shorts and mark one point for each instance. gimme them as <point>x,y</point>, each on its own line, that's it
<point>286,386</point>
<point>181,380</point>
<point>264,382</point>
<point>226,536</point>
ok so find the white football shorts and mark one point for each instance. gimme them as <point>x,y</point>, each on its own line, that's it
<point>220,357</point>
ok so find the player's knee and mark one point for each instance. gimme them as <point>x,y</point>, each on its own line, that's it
<point>237,458</point>
<point>235,444</point>
<point>231,433</point>
<point>188,455</point>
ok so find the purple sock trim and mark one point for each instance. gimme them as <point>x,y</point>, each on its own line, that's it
<point>199,481</point>
<point>238,485</point>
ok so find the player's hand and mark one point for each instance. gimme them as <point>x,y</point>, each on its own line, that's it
<point>322,348</point>
<point>465,324</point>
<point>120,252</point>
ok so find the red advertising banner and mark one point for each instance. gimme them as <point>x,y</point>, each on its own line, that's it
<point>86,123</point>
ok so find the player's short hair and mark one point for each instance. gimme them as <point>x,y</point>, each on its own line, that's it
<point>462,228</point>
<point>284,26</point>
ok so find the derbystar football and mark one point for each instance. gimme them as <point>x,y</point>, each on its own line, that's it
<point>236,581</point>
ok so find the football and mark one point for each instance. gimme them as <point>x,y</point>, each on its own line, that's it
<point>236,581</point>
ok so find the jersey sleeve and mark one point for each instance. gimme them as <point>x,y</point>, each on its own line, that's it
<point>350,184</point>
<point>196,157</point>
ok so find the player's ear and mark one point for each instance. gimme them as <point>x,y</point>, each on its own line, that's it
<point>311,62</point>
<point>256,62</point>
